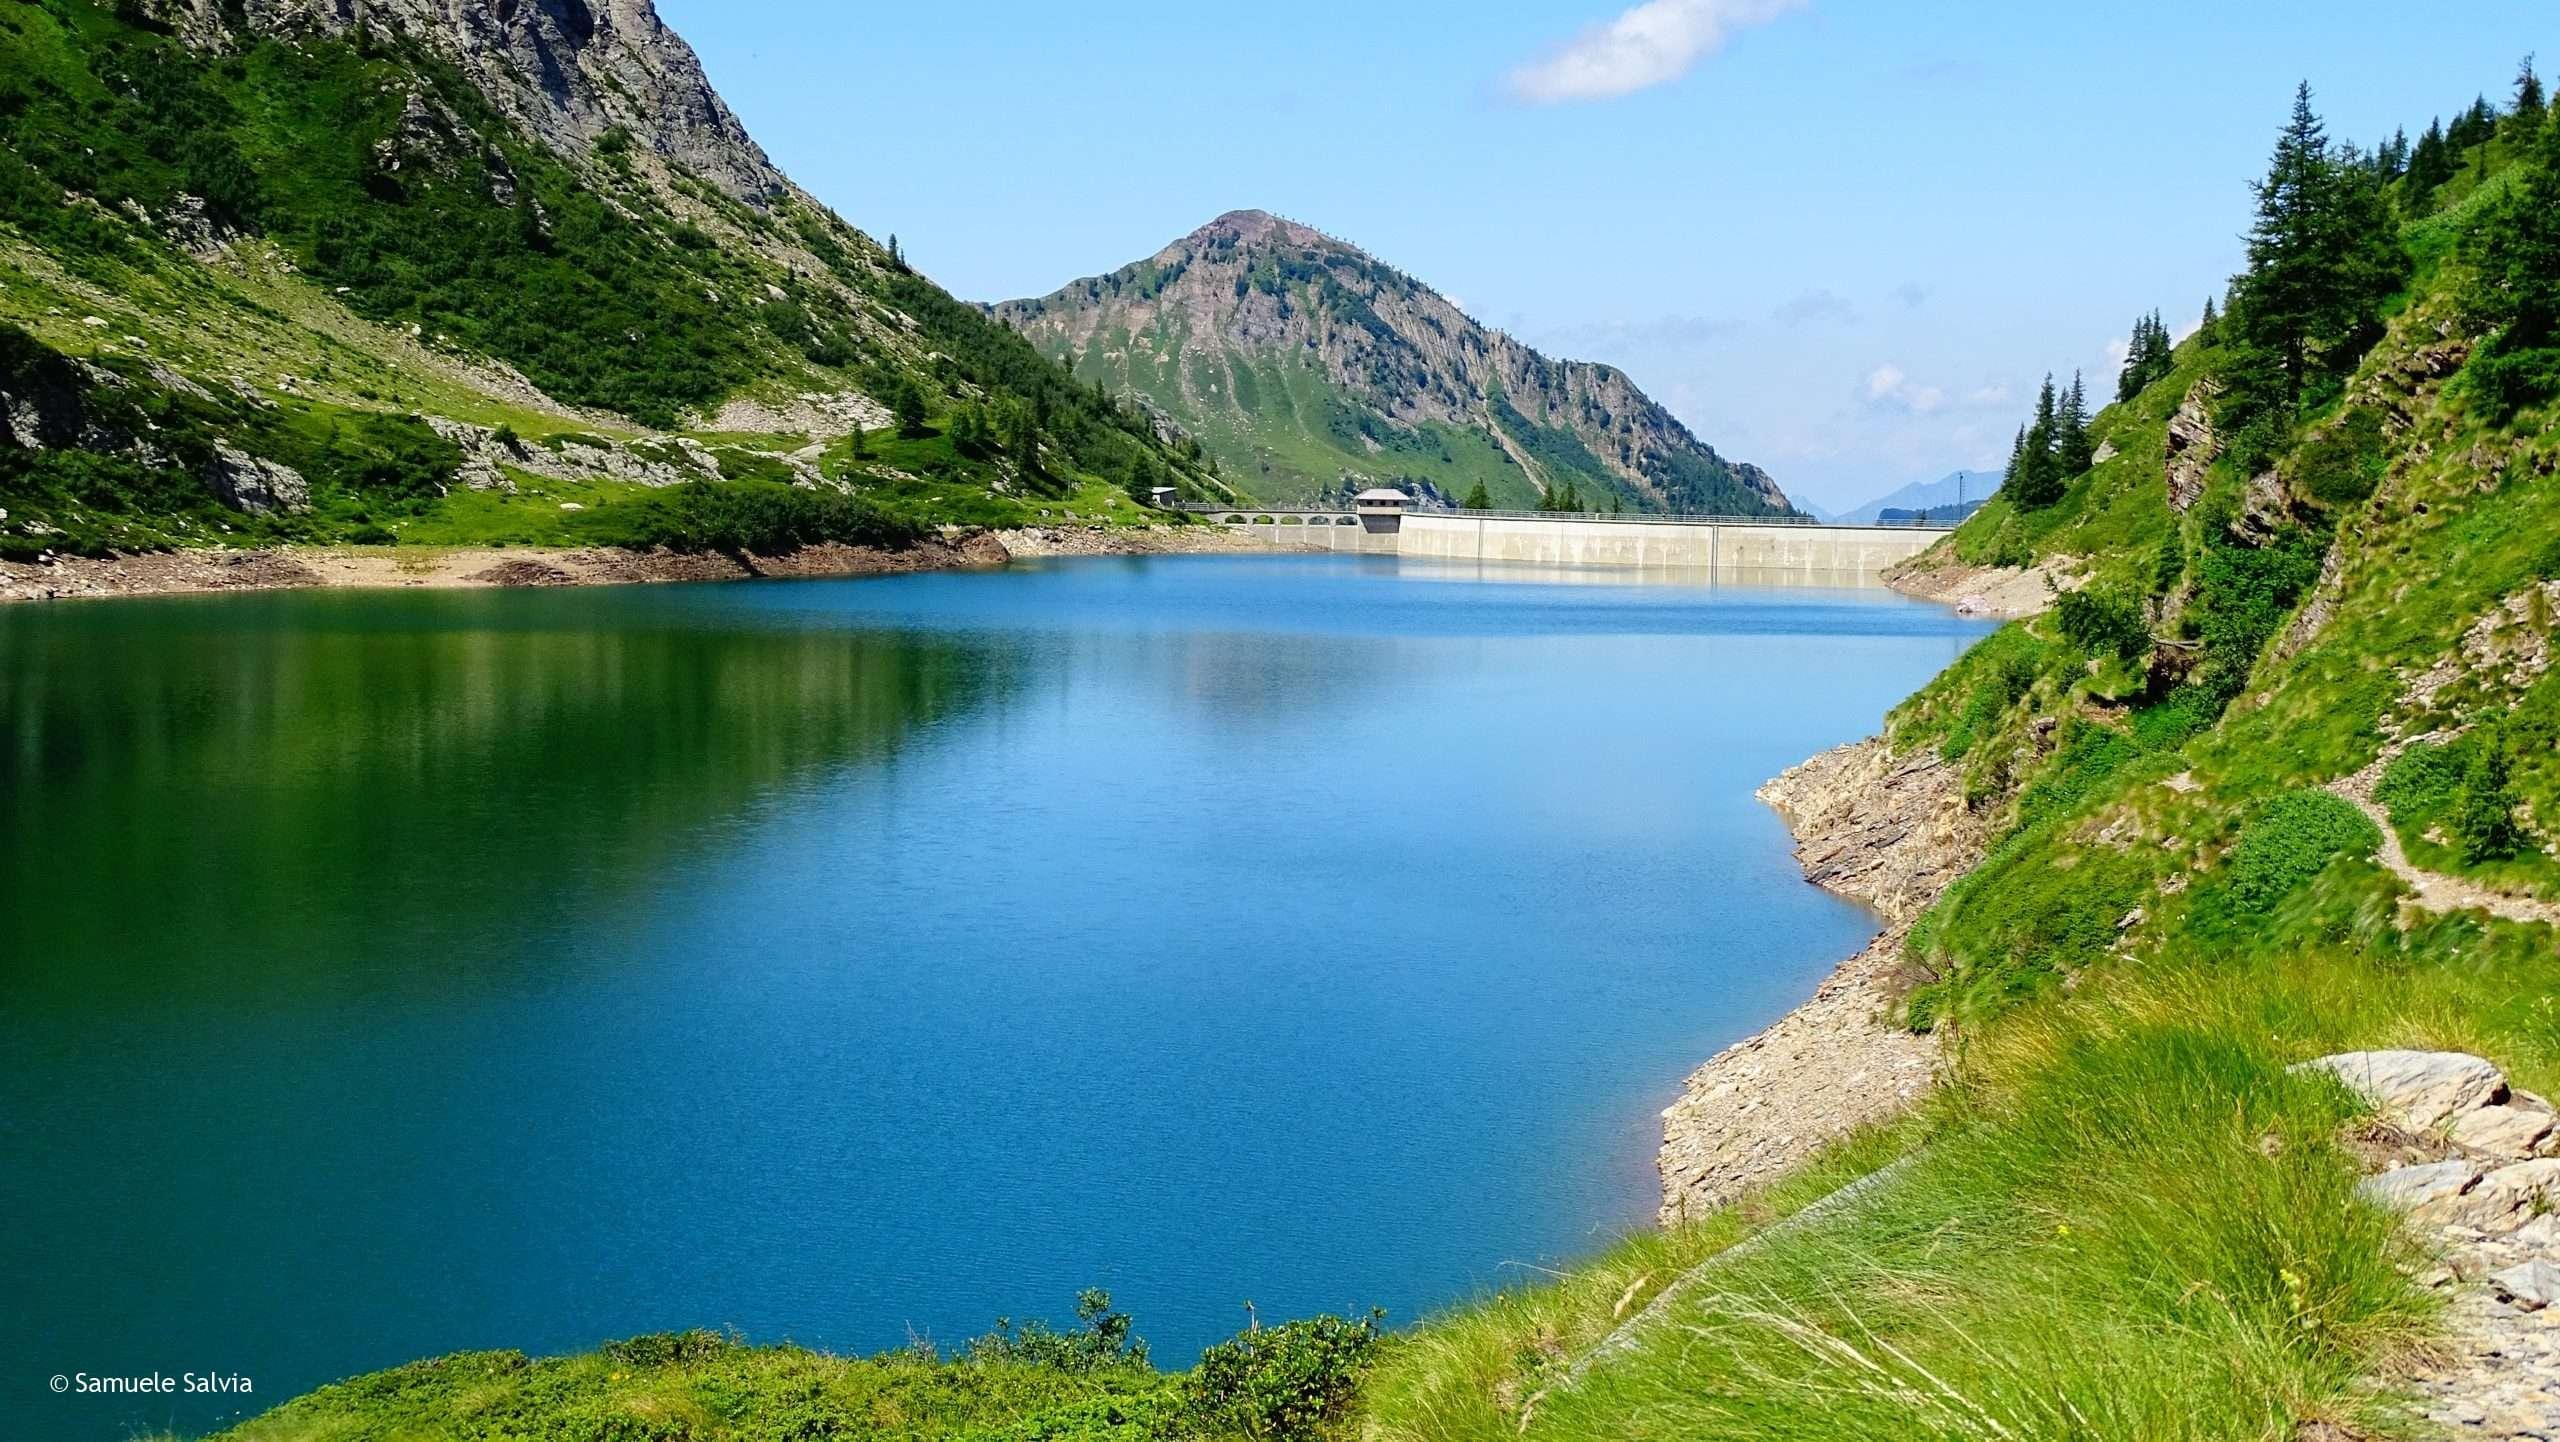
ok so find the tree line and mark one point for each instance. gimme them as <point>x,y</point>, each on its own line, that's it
<point>2326,258</point>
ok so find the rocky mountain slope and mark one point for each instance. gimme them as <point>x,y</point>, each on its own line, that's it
<point>443,269</point>
<point>1307,367</point>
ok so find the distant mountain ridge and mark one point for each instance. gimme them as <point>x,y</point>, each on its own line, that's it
<point>1968,489</point>
<point>1308,367</point>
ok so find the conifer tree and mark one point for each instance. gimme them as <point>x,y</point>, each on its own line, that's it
<point>2323,256</point>
<point>2040,481</point>
<point>2073,453</point>
<point>2209,330</point>
<point>1478,499</point>
<point>2430,166</point>
<point>906,406</point>
<point>2515,283</point>
<point>2524,118</point>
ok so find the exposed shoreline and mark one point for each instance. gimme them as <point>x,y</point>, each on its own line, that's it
<point>296,568</point>
<point>1889,833</point>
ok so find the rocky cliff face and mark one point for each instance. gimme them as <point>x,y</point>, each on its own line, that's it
<point>1309,365</point>
<point>566,71</point>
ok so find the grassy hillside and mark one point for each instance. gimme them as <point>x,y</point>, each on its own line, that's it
<point>308,247</point>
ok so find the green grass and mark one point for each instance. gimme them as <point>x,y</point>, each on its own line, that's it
<point>702,1388</point>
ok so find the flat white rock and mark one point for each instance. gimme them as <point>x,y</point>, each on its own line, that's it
<point>2406,1189</point>
<point>2505,1131</point>
<point>2531,1285</point>
<point>2416,1090</point>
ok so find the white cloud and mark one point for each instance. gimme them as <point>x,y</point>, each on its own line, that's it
<point>1994,394</point>
<point>1652,44</point>
<point>1888,386</point>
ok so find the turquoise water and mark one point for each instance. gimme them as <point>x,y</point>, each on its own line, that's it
<point>385,975</point>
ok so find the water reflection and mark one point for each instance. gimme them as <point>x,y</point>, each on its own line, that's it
<point>212,796</point>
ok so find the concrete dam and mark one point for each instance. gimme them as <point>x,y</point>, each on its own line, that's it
<point>1836,555</point>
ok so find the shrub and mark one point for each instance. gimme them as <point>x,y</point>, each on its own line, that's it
<point>2103,624</point>
<point>2484,824</point>
<point>1292,1383</point>
<point>763,518</point>
<point>1106,1340</point>
<point>2292,841</point>
<point>2419,788</point>
<point>669,1349</point>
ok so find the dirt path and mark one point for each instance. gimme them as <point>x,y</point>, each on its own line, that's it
<point>2433,890</point>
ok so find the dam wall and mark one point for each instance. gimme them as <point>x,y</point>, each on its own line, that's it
<point>1860,553</point>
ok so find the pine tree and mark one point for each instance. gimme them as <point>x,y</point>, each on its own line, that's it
<point>1478,499</point>
<point>2209,331</point>
<point>906,405</point>
<point>2072,451</point>
<point>2323,256</point>
<point>2524,118</point>
<point>2040,480</point>
<point>2515,283</point>
<point>861,442</point>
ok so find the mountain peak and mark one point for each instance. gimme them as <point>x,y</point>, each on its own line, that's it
<point>1260,227</point>
<point>1309,367</point>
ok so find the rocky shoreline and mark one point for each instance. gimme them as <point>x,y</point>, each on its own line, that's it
<point>294,568</point>
<point>1889,833</point>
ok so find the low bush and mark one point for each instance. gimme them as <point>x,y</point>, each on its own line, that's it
<point>2103,624</point>
<point>1293,1383</point>
<point>2293,840</point>
<point>761,518</point>
<point>1105,1340</point>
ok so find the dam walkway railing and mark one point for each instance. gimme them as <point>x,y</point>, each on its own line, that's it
<point>1249,514</point>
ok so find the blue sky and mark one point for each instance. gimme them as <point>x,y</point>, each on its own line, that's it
<point>1841,238</point>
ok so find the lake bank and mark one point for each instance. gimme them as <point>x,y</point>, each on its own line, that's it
<point>295,568</point>
<point>1890,833</point>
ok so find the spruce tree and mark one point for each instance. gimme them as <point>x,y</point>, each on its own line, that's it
<point>1478,499</point>
<point>2323,256</point>
<point>906,406</point>
<point>2040,480</point>
<point>2430,166</point>
<point>2515,283</point>
<point>2130,380</point>
<point>2072,451</point>
<point>2524,118</point>
<point>2209,331</point>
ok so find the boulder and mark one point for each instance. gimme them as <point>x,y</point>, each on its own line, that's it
<point>2512,1130</point>
<point>2531,1286</point>
<point>2417,1091</point>
<point>2430,1185</point>
<point>246,483</point>
<point>2507,1198</point>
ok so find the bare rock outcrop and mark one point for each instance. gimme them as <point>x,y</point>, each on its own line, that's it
<point>2482,1196</point>
<point>248,483</point>
<point>2193,446</point>
<point>566,71</point>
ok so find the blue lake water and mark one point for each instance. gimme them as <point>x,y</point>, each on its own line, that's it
<point>391,974</point>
